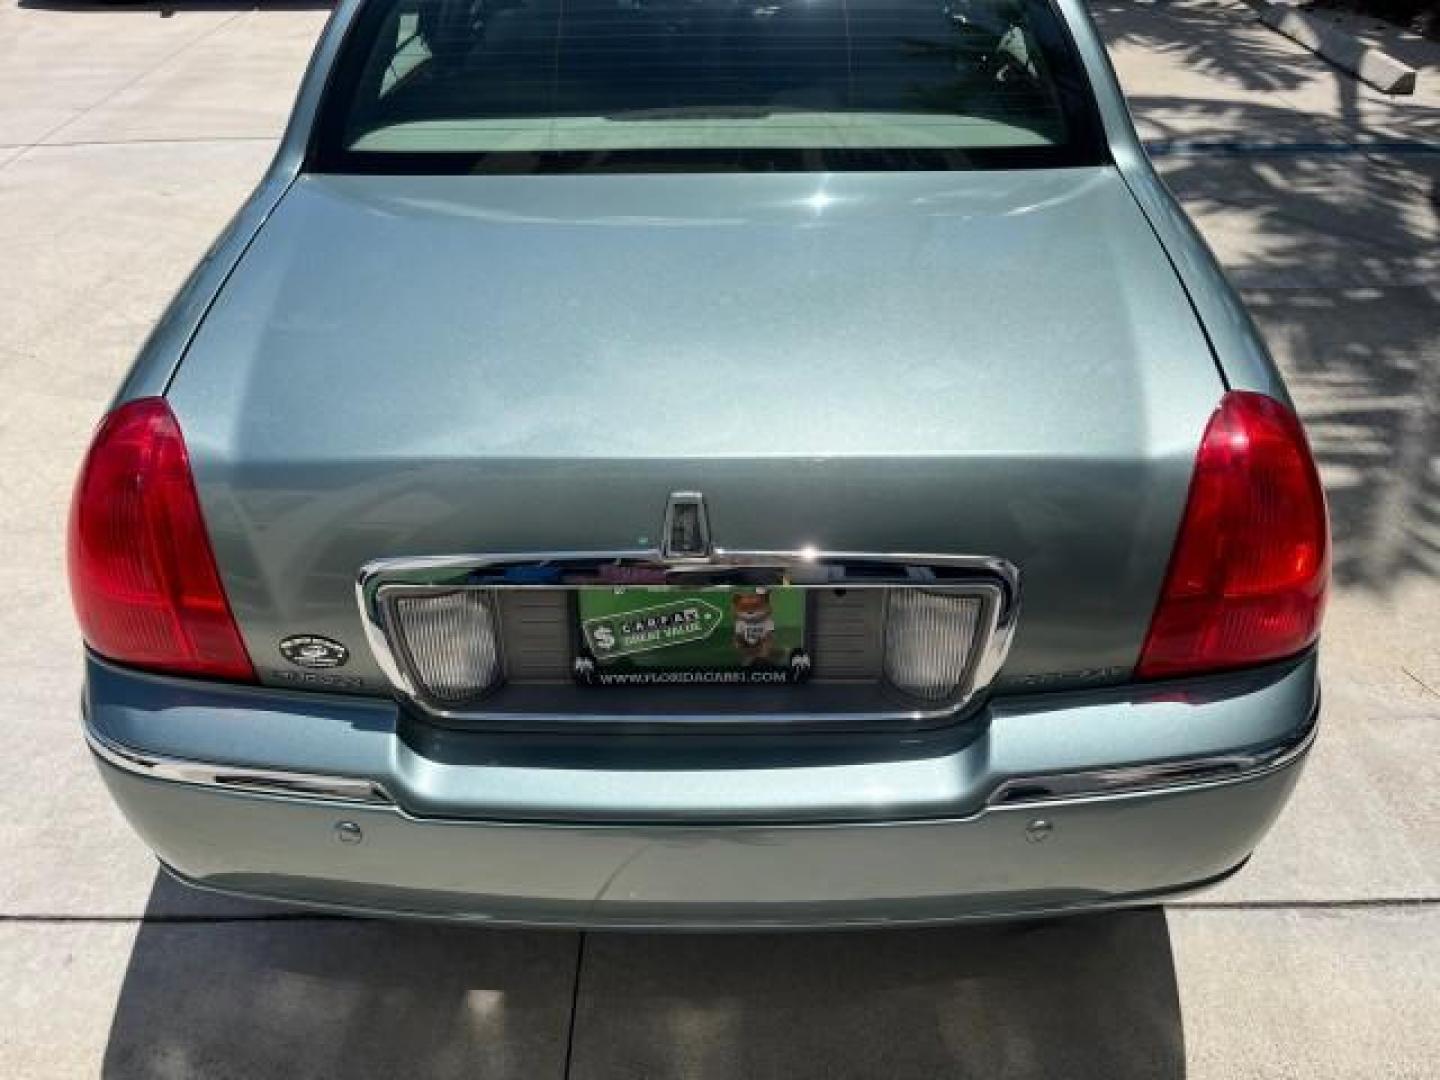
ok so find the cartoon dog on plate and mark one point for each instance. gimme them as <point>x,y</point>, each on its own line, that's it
<point>754,625</point>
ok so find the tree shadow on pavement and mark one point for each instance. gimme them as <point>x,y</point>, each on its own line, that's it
<point>1242,81</point>
<point>1201,36</point>
<point>218,988</point>
<point>1338,259</point>
<point>1334,245</point>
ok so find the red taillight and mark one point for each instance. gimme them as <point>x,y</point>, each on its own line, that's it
<point>142,575</point>
<point>1251,565</point>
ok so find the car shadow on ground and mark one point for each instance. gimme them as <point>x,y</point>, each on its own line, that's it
<point>217,989</point>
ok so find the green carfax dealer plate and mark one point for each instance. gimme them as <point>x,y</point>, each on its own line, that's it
<point>650,636</point>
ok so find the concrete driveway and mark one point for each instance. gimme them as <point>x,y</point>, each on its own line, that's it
<point>127,137</point>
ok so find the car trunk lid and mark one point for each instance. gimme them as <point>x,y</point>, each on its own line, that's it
<point>989,363</point>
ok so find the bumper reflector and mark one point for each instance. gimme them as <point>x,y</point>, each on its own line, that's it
<point>452,641</point>
<point>930,639</point>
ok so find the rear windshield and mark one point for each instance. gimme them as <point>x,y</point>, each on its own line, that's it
<point>567,85</point>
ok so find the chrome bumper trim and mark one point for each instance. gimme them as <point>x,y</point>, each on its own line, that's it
<point>237,777</point>
<point>1183,772</point>
<point>1017,791</point>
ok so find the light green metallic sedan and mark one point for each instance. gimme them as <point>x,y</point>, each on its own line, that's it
<point>703,463</point>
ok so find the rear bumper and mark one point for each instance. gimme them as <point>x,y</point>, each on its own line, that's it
<point>1101,852</point>
<point>1015,845</point>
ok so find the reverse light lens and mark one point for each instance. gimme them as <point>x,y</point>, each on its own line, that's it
<point>929,639</point>
<point>453,641</point>
<point>142,575</point>
<point>1251,566</point>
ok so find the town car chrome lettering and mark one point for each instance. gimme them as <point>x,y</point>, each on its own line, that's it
<point>322,680</point>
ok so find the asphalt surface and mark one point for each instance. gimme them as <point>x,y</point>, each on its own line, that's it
<point>128,136</point>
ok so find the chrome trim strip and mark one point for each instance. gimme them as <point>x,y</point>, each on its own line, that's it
<point>799,568</point>
<point>1014,793</point>
<point>237,777</point>
<point>1183,772</point>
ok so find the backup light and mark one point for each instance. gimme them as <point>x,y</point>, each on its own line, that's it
<point>142,574</point>
<point>453,642</point>
<point>1251,566</point>
<point>930,637</point>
